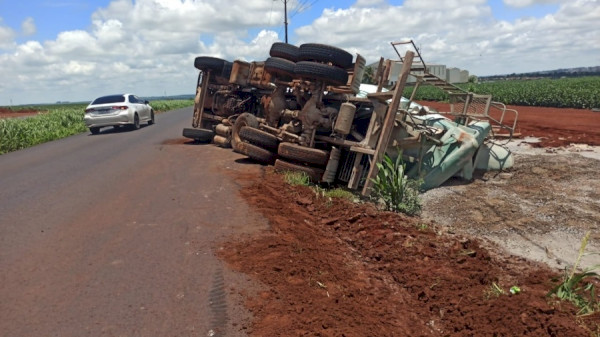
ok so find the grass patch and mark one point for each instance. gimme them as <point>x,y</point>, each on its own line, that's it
<point>301,179</point>
<point>340,194</point>
<point>579,288</point>
<point>296,178</point>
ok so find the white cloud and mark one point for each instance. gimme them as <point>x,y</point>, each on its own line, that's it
<point>369,3</point>
<point>527,3</point>
<point>464,34</point>
<point>79,68</point>
<point>148,46</point>
<point>7,36</point>
<point>28,27</point>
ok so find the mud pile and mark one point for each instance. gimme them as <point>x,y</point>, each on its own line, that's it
<point>338,268</point>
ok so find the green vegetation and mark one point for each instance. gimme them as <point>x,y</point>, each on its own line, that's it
<point>580,92</point>
<point>56,121</point>
<point>579,287</point>
<point>296,178</point>
<point>300,178</point>
<point>16,134</point>
<point>340,193</point>
<point>394,190</point>
<point>166,105</point>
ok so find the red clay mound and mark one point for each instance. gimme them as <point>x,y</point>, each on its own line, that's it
<point>335,268</point>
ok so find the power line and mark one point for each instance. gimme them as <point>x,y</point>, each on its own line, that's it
<point>302,6</point>
<point>271,12</point>
<point>297,7</point>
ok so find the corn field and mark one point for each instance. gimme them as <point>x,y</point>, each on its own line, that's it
<point>580,92</point>
<point>166,105</point>
<point>56,122</point>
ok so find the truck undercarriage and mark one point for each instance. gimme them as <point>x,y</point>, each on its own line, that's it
<point>305,109</point>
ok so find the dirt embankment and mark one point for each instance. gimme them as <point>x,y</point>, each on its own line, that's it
<point>335,268</point>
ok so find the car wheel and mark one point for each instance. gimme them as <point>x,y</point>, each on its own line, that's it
<point>321,72</point>
<point>245,119</point>
<point>95,131</point>
<point>280,67</point>
<point>151,121</point>
<point>257,153</point>
<point>200,135</point>
<point>285,51</point>
<point>303,154</point>
<point>315,174</point>
<point>259,137</point>
<point>325,53</point>
<point>136,122</point>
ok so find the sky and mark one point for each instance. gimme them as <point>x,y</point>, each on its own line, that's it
<point>73,50</point>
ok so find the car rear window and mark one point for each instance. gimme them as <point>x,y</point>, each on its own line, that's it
<point>109,99</point>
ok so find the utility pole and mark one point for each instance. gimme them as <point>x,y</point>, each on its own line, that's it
<point>285,20</point>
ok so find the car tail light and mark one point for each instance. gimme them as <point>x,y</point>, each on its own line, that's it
<point>89,110</point>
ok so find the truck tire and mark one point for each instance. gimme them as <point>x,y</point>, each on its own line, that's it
<point>285,51</point>
<point>322,72</point>
<point>325,53</point>
<point>315,174</point>
<point>245,119</point>
<point>209,63</point>
<point>280,67</point>
<point>260,138</point>
<point>303,154</point>
<point>257,153</point>
<point>200,135</point>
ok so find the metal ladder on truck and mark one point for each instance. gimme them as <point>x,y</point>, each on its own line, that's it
<point>464,105</point>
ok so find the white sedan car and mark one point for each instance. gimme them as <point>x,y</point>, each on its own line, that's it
<point>117,110</point>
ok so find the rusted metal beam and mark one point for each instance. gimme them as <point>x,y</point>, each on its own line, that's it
<point>197,122</point>
<point>388,124</point>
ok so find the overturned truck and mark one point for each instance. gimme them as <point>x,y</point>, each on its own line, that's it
<point>305,109</point>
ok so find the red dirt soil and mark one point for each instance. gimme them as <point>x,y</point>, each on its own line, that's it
<point>9,113</point>
<point>554,126</point>
<point>338,268</point>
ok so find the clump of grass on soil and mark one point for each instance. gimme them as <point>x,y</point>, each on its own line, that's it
<point>579,288</point>
<point>296,178</point>
<point>302,179</point>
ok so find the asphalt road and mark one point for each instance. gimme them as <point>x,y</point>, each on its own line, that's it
<point>114,234</point>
